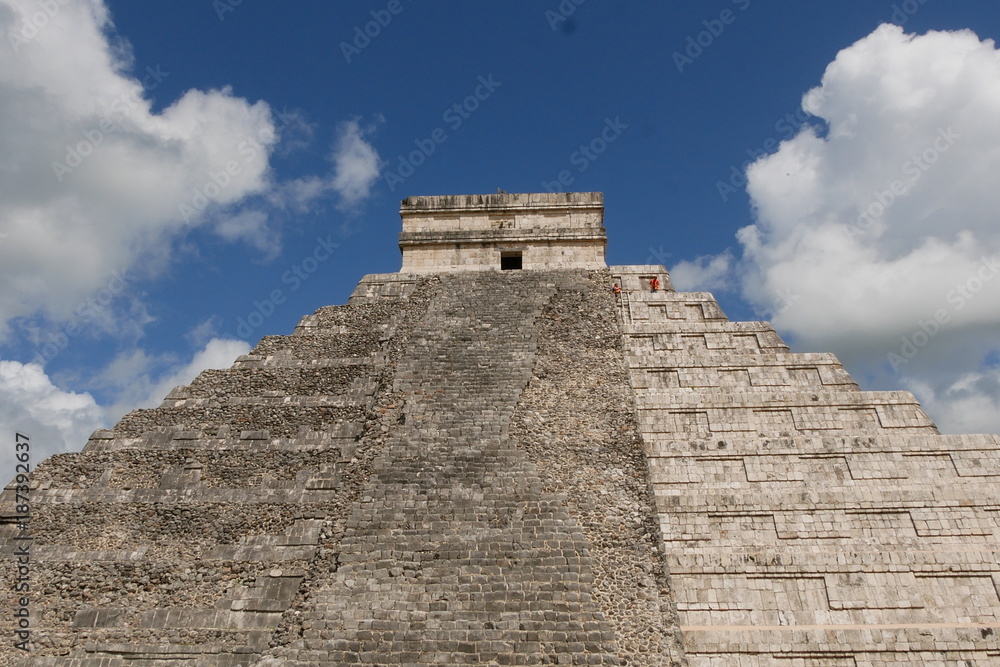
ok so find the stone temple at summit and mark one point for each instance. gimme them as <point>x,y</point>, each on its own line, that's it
<point>492,457</point>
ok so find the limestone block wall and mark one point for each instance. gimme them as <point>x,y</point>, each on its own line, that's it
<point>806,522</point>
<point>479,256</point>
<point>471,232</point>
<point>542,212</point>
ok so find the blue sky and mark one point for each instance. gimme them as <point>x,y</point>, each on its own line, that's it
<point>166,168</point>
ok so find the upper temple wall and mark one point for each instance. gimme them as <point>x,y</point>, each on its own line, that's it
<point>490,232</point>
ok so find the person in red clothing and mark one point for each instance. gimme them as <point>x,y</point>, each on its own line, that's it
<point>616,290</point>
<point>654,284</point>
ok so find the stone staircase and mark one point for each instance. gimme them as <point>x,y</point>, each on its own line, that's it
<point>459,555</point>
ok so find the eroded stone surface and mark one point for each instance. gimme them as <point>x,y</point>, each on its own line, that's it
<point>576,420</point>
<point>442,523</point>
<point>461,553</point>
<point>183,535</point>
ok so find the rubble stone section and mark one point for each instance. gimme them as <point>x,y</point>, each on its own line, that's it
<point>576,422</point>
<point>183,535</point>
<point>806,522</point>
<point>482,232</point>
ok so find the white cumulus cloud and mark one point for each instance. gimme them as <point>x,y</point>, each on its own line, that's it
<point>90,177</point>
<point>53,420</point>
<point>250,226</point>
<point>356,163</point>
<point>92,180</point>
<point>876,228</point>
<point>710,272</point>
<point>96,184</point>
<point>969,405</point>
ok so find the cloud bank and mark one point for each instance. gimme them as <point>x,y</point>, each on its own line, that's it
<point>876,232</point>
<point>96,185</point>
<point>92,178</point>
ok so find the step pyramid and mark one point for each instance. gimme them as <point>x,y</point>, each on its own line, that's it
<point>490,458</point>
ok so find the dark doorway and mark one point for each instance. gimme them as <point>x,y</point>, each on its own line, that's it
<point>510,261</point>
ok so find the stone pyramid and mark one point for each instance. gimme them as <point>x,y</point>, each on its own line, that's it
<point>489,458</point>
